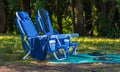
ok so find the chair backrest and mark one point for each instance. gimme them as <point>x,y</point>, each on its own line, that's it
<point>44,23</point>
<point>25,25</point>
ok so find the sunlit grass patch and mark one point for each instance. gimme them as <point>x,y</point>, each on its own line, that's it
<point>103,45</point>
<point>10,48</point>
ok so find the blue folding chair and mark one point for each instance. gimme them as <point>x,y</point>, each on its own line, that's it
<point>44,25</point>
<point>34,45</point>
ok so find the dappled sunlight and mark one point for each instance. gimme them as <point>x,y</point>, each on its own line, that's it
<point>85,46</point>
<point>92,48</point>
<point>95,40</point>
<point>103,45</point>
<point>10,48</point>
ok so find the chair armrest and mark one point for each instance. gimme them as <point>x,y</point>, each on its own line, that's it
<point>42,36</point>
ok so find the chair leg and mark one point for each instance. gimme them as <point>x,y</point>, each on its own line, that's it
<point>26,56</point>
<point>60,58</point>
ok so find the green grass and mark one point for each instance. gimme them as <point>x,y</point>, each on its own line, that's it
<point>11,51</point>
<point>10,45</point>
<point>102,45</point>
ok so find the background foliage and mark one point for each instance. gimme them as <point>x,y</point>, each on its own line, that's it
<point>89,18</point>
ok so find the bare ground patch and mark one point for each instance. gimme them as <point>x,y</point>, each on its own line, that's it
<point>46,67</point>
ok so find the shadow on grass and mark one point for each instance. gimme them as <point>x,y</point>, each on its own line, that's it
<point>10,48</point>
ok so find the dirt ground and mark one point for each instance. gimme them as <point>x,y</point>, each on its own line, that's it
<point>47,67</point>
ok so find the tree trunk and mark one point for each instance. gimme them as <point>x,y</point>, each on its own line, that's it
<point>88,17</point>
<point>59,17</point>
<point>26,6</point>
<point>80,25</point>
<point>116,23</point>
<point>2,17</point>
<point>105,18</point>
<point>73,15</point>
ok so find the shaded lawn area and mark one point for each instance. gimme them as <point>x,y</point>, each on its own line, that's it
<point>11,54</point>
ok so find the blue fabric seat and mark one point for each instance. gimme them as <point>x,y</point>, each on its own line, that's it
<point>44,25</point>
<point>34,45</point>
